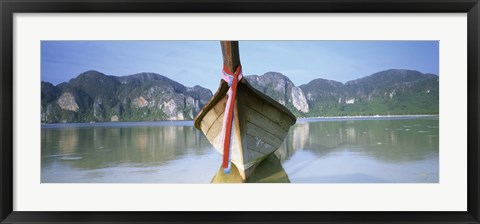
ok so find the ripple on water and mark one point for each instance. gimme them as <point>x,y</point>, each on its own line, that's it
<point>71,158</point>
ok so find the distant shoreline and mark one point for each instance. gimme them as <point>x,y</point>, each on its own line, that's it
<point>382,116</point>
<point>183,122</point>
<point>359,117</point>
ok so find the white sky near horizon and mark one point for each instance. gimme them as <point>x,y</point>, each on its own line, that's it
<point>200,62</point>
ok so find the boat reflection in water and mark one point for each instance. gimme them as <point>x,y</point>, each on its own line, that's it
<point>270,170</point>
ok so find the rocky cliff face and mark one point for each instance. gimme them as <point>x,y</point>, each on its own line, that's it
<point>298,100</point>
<point>281,89</point>
<point>67,102</point>
<point>94,96</point>
<point>394,91</point>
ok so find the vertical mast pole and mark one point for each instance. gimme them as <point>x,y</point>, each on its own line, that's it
<point>231,55</point>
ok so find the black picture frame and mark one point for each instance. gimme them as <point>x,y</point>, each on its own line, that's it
<point>10,7</point>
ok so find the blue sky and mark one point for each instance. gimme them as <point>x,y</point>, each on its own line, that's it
<point>200,62</point>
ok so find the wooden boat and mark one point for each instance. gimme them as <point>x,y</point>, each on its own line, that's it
<point>260,125</point>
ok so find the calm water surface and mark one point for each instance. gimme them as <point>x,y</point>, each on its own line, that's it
<point>333,150</point>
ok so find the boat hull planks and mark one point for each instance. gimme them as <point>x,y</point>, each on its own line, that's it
<point>260,125</point>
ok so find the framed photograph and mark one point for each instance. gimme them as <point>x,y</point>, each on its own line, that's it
<point>245,112</point>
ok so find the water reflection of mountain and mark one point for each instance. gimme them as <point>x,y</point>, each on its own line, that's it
<point>386,140</point>
<point>97,147</point>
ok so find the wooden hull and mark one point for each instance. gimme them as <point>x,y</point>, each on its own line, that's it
<point>260,125</point>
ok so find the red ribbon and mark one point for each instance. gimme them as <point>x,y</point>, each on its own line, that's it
<point>232,80</point>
